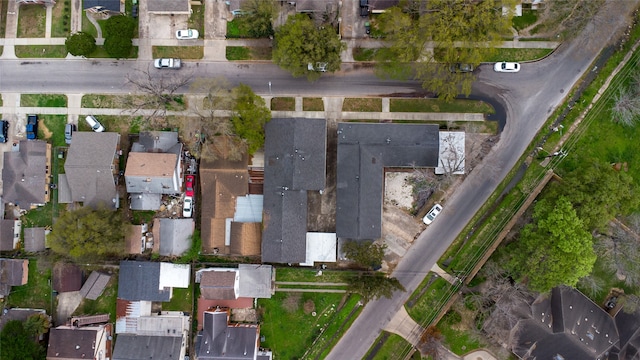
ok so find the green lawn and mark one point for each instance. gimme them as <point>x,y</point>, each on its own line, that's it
<point>233,29</point>
<point>458,341</point>
<point>312,104</point>
<point>51,128</point>
<point>43,100</point>
<point>283,104</point>
<point>340,323</point>
<point>289,330</point>
<point>507,54</point>
<point>182,300</point>
<point>392,347</point>
<point>105,304</point>
<point>437,105</point>
<point>40,51</point>
<point>307,275</point>
<point>38,217</point>
<point>31,22</point>
<point>238,53</point>
<point>424,304</point>
<point>362,104</point>
<point>36,293</point>
<point>180,52</point>
<point>529,17</point>
<point>60,23</point>
<point>362,54</point>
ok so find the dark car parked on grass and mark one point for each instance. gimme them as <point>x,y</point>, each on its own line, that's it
<point>32,127</point>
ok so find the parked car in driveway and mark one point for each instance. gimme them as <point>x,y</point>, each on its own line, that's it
<point>32,127</point>
<point>94,123</point>
<point>187,207</point>
<point>167,63</point>
<point>68,132</point>
<point>505,66</point>
<point>188,185</point>
<point>4,131</point>
<point>432,214</point>
<point>188,34</point>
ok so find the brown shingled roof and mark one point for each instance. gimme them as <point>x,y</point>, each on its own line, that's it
<point>218,285</point>
<point>246,238</point>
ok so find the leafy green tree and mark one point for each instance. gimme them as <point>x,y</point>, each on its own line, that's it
<point>119,26</point>
<point>37,324</point>
<point>250,116</point>
<point>435,34</point>
<point>374,285</point>
<point>299,42</point>
<point>598,194</point>
<point>553,250</point>
<point>258,19</point>
<point>118,47</point>
<point>364,253</point>
<point>80,44</point>
<point>86,234</point>
<point>16,343</point>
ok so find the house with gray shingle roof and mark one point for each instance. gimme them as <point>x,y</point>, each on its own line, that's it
<point>364,151</point>
<point>25,174</point>
<point>10,234</point>
<point>175,235</point>
<point>153,169</point>
<point>151,281</point>
<point>92,167</point>
<point>13,272</point>
<point>295,162</point>
<point>220,339</point>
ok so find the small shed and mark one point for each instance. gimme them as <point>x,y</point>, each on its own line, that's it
<point>67,277</point>
<point>34,239</point>
<point>95,285</point>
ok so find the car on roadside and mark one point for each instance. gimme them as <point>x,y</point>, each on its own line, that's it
<point>188,185</point>
<point>461,68</point>
<point>505,66</point>
<point>432,214</point>
<point>187,34</point>
<point>187,207</point>
<point>167,63</point>
<point>4,131</point>
<point>94,123</point>
<point>134,11</point>
<point>32,127</point>
<point>68,132</point>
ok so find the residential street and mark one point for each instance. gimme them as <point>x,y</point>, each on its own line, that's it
<point>529,97</point>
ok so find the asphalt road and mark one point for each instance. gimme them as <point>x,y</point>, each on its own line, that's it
<point>529,97</point>
<point>90,76</point>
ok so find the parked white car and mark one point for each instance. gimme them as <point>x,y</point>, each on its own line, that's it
<point>431,215</point>
<point>188,34</point>
<point>187,207</point>
<point>167,63</point>
<point>510,67</point>
<point>94,123</point>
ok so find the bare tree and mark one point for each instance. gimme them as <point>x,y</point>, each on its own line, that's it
<point>452,156</point>
<point>620,252</point>
<point>159,88</point>
<point>626,109</point>
<point>591,285</point>
<point>424,183</point>
<point>431,343</point>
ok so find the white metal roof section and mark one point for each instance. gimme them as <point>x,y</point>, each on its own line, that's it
<point>174,275</point>
<point>451,159</point>
<point>321,247</point>
<point>248,208</point>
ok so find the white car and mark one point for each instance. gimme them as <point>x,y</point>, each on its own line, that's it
<point>431,215</point>
<point>504,66</point>
<point>187,207</point>
<point>188,34</point>
<point>94,123</point>
<point>167,63</point>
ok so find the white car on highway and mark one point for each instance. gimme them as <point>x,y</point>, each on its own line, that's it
<point>505,66</point>
<point>187,34</point>
<point>431,215</point>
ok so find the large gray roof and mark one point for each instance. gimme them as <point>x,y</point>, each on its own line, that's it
<point>138,347</point>
<point>256,281</point>
<point>219,341</point>
<point>175,236</point>
<point>364,150</point>
<point>140,280</point>
<point>24,175</point>
<point>566,324</point>
<point>89,168</point>
<point>158,141</point>
<point>7,234</point>
<point>295,162</point>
